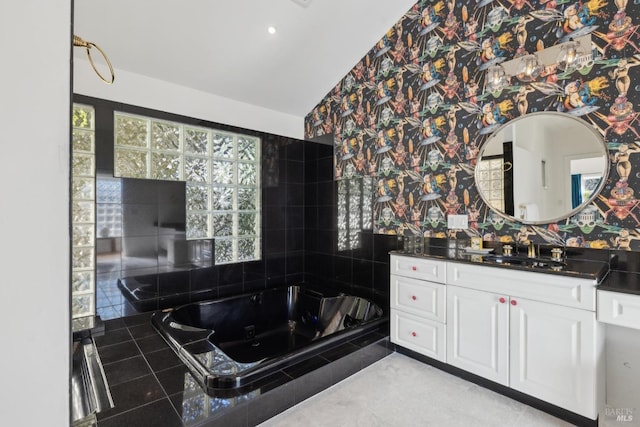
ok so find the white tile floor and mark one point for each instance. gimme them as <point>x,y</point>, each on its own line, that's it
<point>401,391</point>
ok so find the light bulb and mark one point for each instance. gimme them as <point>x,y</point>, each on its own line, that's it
<point>529,69</point>
<point>569,54</point>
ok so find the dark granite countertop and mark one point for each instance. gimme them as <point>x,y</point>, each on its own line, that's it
<point>575,265</point>
<point>621,281</point>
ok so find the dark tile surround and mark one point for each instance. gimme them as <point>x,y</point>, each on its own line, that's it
<point>150,385</point>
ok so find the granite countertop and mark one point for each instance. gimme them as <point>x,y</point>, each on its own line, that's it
<point>575,266</point>
<point>621,281</point>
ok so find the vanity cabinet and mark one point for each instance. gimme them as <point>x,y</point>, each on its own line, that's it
<point>418,305</point>
<point>506,326</point>
<point>619,309</point>
<point>534,332</point>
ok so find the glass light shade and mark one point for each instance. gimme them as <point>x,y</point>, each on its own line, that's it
<point>529,68</point>
<point>496,78</point>
<point>569,54</point>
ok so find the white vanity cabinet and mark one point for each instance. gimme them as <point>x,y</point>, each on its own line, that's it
<point>418,305</point>
<point>536,333</point>
<point>620,309</point>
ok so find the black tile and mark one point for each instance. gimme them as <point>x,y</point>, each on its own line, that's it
<point>303,368</point>
<point>325,193</point>
<point>120,351</point>
<point>295,150</point>
<point>295,172</point>
<point>230,273</point>
<point>113,324</point>
<point>275,240</point>
<point>142,331</point>
<point>173,282</point>
<point>132,394</point>
<point>254,270</point>
<point>204,278</point>
<point>363,273</point>
<point>139,220</point>
<point>343,269</point>
<point>157,414</point>
<point>310,169</point>
<point>295,217</point>
<point>253,285</point>
<point>382,245</point>
<point>295,195</point>
<point>339,351</point>
<point>230,289</point>
<point>151,343</point>
<point>162,359</point>
<point>139,191</point>
<point>325,169</point>
<point>172,379</point>
<point>295,264</point>
<point>112,337</point>
<point>270,404</point>
<point>294,239</point>
<point>312,383</point>
<point>276,266</point>
<point>126,370</point>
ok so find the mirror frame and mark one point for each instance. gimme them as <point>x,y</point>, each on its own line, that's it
<point>584,204</point>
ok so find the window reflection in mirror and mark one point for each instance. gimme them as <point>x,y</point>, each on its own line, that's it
<point>541,167</point>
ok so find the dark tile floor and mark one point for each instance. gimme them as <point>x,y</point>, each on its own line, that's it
<point>150,386</point>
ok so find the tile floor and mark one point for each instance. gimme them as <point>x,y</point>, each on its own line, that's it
<point>400,391</point>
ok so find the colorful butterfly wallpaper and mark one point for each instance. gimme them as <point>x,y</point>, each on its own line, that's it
<point>414,113</point>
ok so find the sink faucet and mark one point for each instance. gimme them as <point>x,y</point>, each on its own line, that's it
<point>531,250</point>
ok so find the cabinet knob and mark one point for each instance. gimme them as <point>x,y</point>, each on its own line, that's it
<point>413,334</point>
<point>413,297</point>
<point>502,300</point>
<point>414,268</point>
<point>514,302</point>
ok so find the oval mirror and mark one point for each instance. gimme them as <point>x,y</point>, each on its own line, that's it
<point>541,167</point>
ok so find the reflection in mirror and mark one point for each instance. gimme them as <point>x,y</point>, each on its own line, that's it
<point>541,167</point>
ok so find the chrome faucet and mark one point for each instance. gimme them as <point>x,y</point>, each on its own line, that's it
<point>531,250</point>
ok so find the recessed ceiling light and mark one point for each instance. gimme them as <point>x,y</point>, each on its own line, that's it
<point>271,30</point>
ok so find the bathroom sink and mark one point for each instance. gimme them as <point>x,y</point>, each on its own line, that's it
<point>524,261</point>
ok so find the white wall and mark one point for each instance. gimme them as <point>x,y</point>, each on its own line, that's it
<point>135,89</point>
<point>34,175</point>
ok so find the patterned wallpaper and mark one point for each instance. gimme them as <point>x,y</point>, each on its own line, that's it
<point>413,114</point>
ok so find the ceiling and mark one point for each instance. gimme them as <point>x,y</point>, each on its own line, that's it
<point>223,47</point>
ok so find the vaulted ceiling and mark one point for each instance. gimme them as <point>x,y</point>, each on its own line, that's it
<point>224,48</point>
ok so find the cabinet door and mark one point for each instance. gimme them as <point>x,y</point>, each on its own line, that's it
<point>554,354</point>
<point>418,297</point>
<point>424,336</point>
<point>478,332</point>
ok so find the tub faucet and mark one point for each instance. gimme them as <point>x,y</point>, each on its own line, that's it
<point>531,250</point>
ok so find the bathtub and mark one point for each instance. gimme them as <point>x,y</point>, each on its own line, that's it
<point>232,342</point>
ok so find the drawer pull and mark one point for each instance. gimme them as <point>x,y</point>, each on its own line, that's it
<point>413,334</point>
<point>502,300</point>
<point>514,302</point>
<point>413,297</point>
<point>414,268</point>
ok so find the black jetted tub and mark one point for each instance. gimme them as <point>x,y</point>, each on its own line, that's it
<point>234,341</point>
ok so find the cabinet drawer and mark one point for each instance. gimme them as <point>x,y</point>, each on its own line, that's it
<point>419,297</point>
<point>619,309</point>
<point>418,268</point>
<point>421,335</point>
<point>555,289</point>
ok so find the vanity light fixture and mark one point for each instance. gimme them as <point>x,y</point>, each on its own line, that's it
<point>528,68</point>
<point>79,42</point>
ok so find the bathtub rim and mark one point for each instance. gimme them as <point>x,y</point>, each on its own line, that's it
<point>215,384</point>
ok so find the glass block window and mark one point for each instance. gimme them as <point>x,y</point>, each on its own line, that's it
<point>109,207</point>
<point>355,210</point>
<point>491,181</point>
<point>221,169</point>
<point>83,196</point>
